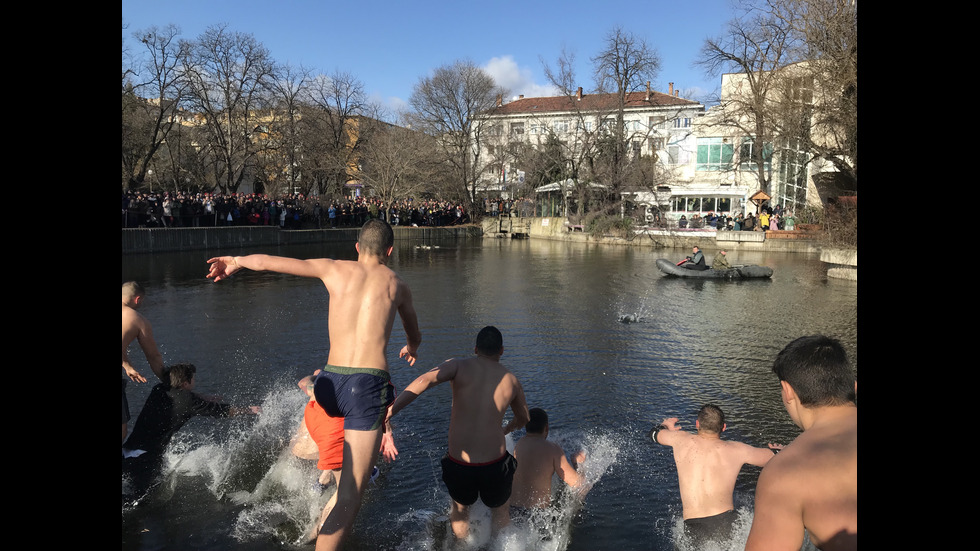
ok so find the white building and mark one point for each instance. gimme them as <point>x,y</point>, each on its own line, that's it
<point>655,123</point>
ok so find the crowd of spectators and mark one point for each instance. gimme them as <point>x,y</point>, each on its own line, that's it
<point>769,218</point>
<point>188,210</point>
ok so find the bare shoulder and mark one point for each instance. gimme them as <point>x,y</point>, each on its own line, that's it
<point>132,318</point>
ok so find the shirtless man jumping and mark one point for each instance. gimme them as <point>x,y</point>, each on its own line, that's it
<point>478,464</point>
<point>136,328</point>
<point>812,486</point>
<point>365,295</point>
<point>707,468</point>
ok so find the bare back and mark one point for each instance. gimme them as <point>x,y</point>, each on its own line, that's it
<point>707,468</point>
<point>812,486</point>
<point>483,389</point>
<point>364,297</point>
<point>537,460</point>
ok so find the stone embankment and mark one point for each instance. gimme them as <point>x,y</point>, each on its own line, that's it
<point>156,240</point>
<point>798,241</point>
<point>842,264</point>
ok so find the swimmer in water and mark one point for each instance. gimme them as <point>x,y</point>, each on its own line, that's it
<point>537,460</point>
<point>707,468</point>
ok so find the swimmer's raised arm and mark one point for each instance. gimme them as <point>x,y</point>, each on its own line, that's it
<point>667,433</point>
<point>223,267</point>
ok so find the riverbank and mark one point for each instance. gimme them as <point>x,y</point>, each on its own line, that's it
<point>654,238</point>
<point>841,264</point>
<point>158,240</point>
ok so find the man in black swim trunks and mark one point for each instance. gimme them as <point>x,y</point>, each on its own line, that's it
<point>478,464</point>
<point>707,468</point>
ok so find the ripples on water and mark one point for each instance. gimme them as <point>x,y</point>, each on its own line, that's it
<point>598,338</point>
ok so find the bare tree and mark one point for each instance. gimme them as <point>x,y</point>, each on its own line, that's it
<point>448,105</point>
<point>228,75</point>
<point>338,102</point>
<point>282,162</point>
<point>825,83</point>
<point>797,61</point>
<point>755,45</point>
<point>600,150</point>
<point>152,91</point>
<point>397,162</point>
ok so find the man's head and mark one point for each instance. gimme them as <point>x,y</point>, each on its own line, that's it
<point>696,248</point>
<point>538,422</point>
<point>817,369</point>
<point>711,419</point>
<point>180,375</point>
<point>132,292</point>
<point>489,341</point>
<point>376,238</point>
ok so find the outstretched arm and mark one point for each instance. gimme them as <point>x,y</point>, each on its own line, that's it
<point>223,267</point>
<point>667,433</point>
<point>759,456</point>
<point>444,372</point>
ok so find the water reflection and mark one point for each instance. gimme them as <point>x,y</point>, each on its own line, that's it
<point>560,307</point>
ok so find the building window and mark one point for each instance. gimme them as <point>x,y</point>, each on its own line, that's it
<point>517,129</point>
<point>685,204</point>
<point>714,154</point>
<point>658,122</point>
<point>561,126</point>
<point>682,122</point>
<point>747,159</point>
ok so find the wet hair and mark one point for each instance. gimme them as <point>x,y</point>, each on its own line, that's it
<point>376,237</point>
<point>132,289</point>
<point>178,374</point>
<point>489,341</point>
<point>711,418</point>
<point>817,368</point>
<point>538,421</point>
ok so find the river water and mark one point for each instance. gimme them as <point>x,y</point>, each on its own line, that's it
<point>596,335</point>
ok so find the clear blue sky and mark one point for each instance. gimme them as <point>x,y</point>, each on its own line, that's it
<point>389,45</point>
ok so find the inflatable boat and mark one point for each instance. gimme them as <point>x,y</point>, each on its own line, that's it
<point>751,271</point>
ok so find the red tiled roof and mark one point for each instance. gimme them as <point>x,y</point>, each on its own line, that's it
<point>590,102</point>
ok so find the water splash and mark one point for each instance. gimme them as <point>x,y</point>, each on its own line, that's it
<point>545,530</point>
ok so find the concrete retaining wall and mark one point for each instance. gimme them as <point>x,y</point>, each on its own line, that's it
<point>842,263</point>
<point>558,229</point>
<point>154,240</point>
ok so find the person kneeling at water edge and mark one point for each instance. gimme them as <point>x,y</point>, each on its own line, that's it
<point>477,464</point>
<point>707,468</point>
